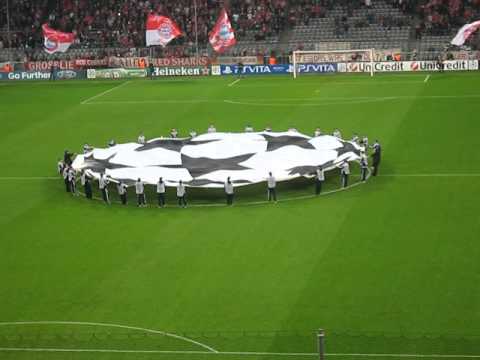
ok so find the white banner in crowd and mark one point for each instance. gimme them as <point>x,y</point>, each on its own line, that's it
<point>207,160</point>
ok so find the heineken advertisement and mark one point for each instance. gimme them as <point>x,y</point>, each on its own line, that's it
<point>119,73</point>
<point>181,71</point>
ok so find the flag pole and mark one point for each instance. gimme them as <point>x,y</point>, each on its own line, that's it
<point>196,27</point>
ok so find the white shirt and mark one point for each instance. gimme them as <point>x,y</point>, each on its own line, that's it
<point>60,166</point>
<point>71,175</point>
<point>317,133</point>
<point>102,182</point>
<point>180,190</point>
<point>211,129</point>
<point>122,188</point>
<point>268,129</point>
<point>320,174</point>
<point>141,139</point>
<point>337,134</point>
<point>355,138</point>
<point>174,133</point>
<point>86,148</point>
<point>346,169</point>
<point>271,182</point>
<point>293,129</point>
<point>193,134</point>
<point>139,187</point>
<point>365,141</point>
<point>249,129</point>
<point>228,188</point>
<point>161,187</point>
<point>65,173</point>
<point>83,179</point>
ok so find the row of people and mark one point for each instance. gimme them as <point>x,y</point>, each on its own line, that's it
<point>69,176</point>
<point>211,129</point>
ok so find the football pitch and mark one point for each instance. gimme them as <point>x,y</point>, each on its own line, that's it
<point>390,268</point>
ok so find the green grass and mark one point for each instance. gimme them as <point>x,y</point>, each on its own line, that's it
<point>390,266</point>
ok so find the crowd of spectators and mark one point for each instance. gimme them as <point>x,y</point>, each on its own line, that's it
<point>439,17</point>
<point>121,23</point>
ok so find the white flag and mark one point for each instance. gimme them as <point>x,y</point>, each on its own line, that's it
<point>465,32</point>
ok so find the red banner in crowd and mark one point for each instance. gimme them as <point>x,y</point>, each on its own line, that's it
<point>222,36</point>
<point>56,41</point>
<point>160,30</point>
<point>131,62</point>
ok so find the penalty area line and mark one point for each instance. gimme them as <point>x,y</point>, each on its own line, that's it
<point>84,102</point>
<point>233,83</point>
<point>236,353</point>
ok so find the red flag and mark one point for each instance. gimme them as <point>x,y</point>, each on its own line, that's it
<point>222,36</point>
<point>161,30</point>
<point>56,41</point>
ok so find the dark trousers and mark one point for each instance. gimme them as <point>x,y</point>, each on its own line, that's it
<point>140,199</point>
<point>272,194</point>
<point>182,201</point>
<point>73,187</point>
<point>105,195</point>
<point>375,168</point>
<point>229,199</point>
<point>123,199</point>
<point>318,186</point>
<point>161,199</point>
<point>364,173</point>
<point>88,190</point>
<point>344,180</point>
<point>67,185</point>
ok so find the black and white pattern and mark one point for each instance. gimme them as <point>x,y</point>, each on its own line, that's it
<point>208,160</point>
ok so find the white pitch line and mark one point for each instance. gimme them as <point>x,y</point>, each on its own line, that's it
<point>426,78</point>
<point>349,102</point>
<point>236,353</point>
<point>30,178</point>
<point>175,336</point>
<point>432,175</point>
<point>104,93</point>
<point>233,83</point>
<point>312,101</point>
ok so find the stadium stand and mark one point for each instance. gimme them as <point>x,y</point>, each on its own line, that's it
<point>423,27</point>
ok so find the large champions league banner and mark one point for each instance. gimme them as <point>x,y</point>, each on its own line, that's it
<point>209,159</point>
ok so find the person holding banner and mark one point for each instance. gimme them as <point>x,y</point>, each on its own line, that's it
<point>272,184</point>
<point>102,185</point>
<point>229,191</point>
<point>140,190</point>
<point>122,192</point>
<point>319,179</point>
<point>345,171</point>
<point>181,193</point>
<point>161,192</point>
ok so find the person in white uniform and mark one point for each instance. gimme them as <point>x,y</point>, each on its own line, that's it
<point>181,193</point>
<point>140,191</point>
<point>122,192</point>
<point>161,192</point>
<point>345,171</point>
<point>319,179</point>
<point>272,184</point>
<point>103,186</point>
<point>229,191</point>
